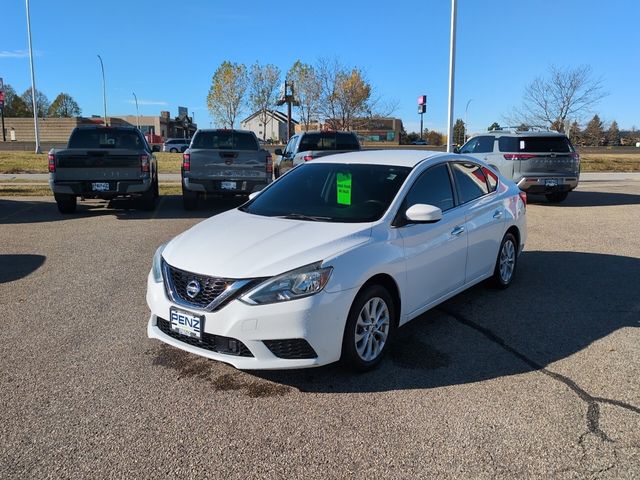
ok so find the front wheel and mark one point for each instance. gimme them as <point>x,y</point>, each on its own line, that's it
<point>66,203</point>
<point>557,197</point>
<point>506,262</point>
<point>369,329</point>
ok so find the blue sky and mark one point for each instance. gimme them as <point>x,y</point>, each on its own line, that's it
<point>166,52</point>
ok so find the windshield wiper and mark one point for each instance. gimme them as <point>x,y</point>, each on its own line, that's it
<point>300,216</point>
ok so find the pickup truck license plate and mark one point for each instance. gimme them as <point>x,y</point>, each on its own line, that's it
<point>551,182</point>
<point>228,185</point>
<point>186,323</point>
<point>100,186</point>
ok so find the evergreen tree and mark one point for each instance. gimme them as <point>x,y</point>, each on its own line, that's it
<point>493,126</point>
<point>14,106</point>
<point>594,133</point>
<point>613,135</point>
<point>575,135</point>
<point>458,132</point>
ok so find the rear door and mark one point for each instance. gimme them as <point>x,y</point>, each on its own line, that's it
<point>545,156</point>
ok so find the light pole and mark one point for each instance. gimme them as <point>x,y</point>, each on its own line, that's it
<point>104,91</point>
<point>452,65</point>
<point>137,111</point>
<point>465,118</point>
<point>33,83</point>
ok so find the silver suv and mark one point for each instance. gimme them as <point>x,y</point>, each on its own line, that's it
<point>540,162</point>
<point>175,145</point>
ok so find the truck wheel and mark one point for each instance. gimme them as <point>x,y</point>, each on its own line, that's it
<point>66,203</point>
<point>189,199</point>
<point>147,200</point>
<point>557,197</point>
<point>173,150</point>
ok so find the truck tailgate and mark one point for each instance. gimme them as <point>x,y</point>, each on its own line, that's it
<point>80,164</point>
<point>228,164</point>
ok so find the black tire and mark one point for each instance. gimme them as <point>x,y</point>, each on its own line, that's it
<point>351,356</point>
<point>506,262</point>
<point>557,197</point>
<point>147,201</point>
<point>276,172</point>
<point>189,199</point>
<point>66,203</point>
<point>173,150</point>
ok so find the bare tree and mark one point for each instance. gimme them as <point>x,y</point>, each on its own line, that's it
<point>42,102</point>
<point>227,92</point>
<point>263,91</point>
<point>566,94</point>
<point>307,91</point>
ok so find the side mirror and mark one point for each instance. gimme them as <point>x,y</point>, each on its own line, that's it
<point>456,150</point>
<point>421,213</point>
<point>278,151</point>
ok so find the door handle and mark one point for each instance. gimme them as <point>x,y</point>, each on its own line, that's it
<point>456,232</point>
<point>497,214</point>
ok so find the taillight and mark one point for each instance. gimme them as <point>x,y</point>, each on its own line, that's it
<point>269,165</point>
<point>186,162</point>
<point>307,158</point>
<point>523,197</point>
<point>575,156</point>
<point>144,163</point>
<point>52,162</point>
<point>518,156</point>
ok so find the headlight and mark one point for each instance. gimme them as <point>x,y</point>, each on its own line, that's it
<point>299,283</point>
<point>156,267</point>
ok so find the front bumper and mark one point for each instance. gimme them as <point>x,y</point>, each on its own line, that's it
<point>319,320</point>
<point>116,187</point>
<point>548,184</point>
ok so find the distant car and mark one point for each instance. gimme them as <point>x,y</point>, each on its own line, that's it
<point>175,145</point>
<point>540,162</point>
<point>307,146</point>
<point>419,142</point>
<point>328,261</point>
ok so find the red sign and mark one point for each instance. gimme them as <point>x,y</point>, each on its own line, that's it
<point>422,100</point>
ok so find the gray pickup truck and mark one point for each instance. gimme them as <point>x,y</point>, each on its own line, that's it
<point>103,162</point>
<point>223,162</point>
<point>306,146</point>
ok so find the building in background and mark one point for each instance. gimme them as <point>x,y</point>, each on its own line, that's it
<point>275,128</point>
<point>370,130</point>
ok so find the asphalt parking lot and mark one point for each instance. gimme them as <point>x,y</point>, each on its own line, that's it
<point>538,381</point>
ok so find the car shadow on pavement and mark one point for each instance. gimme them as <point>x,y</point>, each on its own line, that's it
<point>559,304</point>
<point>582,198</point>
<point>15,267</point>
<point>38,210</point>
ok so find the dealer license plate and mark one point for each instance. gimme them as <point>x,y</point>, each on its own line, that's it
<point>228,185</point>
<point>551,182</point>
<point>100,186</point>
<point>186,323</point>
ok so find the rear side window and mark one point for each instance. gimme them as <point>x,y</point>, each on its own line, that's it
<point>432,188</point>
<point>492,179</point>
<point>478,145</point>
<point>106,138</point>
<point>555,144</point>
<point>470,181</point>
<point>508,144</point>
<point>224,140</point>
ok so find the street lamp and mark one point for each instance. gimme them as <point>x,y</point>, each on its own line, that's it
<point>33,83</point>
<point>465,119</point>
<point>452,64</point>
<point>137,111</point>
<point>104,91</point>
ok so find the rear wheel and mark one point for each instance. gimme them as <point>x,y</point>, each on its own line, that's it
<point>506,262</point>
<point>189,199</point>
<point>557,197</point>
<point>147,200</point>
<point>173,150</point>
<point>369,329</point>
<point>66,203</point>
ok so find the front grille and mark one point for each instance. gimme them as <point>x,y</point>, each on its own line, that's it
<point>214,343</point>
<point>291,348</point>
<point>210,287</point>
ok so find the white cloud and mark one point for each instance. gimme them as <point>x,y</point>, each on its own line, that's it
<point>147,102</point>
<point>14,53</point>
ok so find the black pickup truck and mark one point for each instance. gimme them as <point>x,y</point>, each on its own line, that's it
<point>104,162</point>
<point>223,162</point>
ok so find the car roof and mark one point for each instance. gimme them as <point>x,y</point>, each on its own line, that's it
<point>527,133</point>
<point>400,158</point>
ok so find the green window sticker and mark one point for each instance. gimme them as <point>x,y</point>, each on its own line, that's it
<point>343,187</point>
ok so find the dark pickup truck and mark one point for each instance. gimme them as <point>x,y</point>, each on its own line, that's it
<point>306,146</point>
<point>104,162</point>
<point>223,162</point>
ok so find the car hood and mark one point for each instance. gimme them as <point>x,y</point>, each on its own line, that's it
<point>236,244</point>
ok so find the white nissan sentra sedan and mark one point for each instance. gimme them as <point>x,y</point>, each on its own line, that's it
<point>328,261</point>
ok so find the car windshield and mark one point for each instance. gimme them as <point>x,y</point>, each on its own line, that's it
<point>106,138</point>
<point>328,141</point>
<point>331,192</point>
<point>225,140</point>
